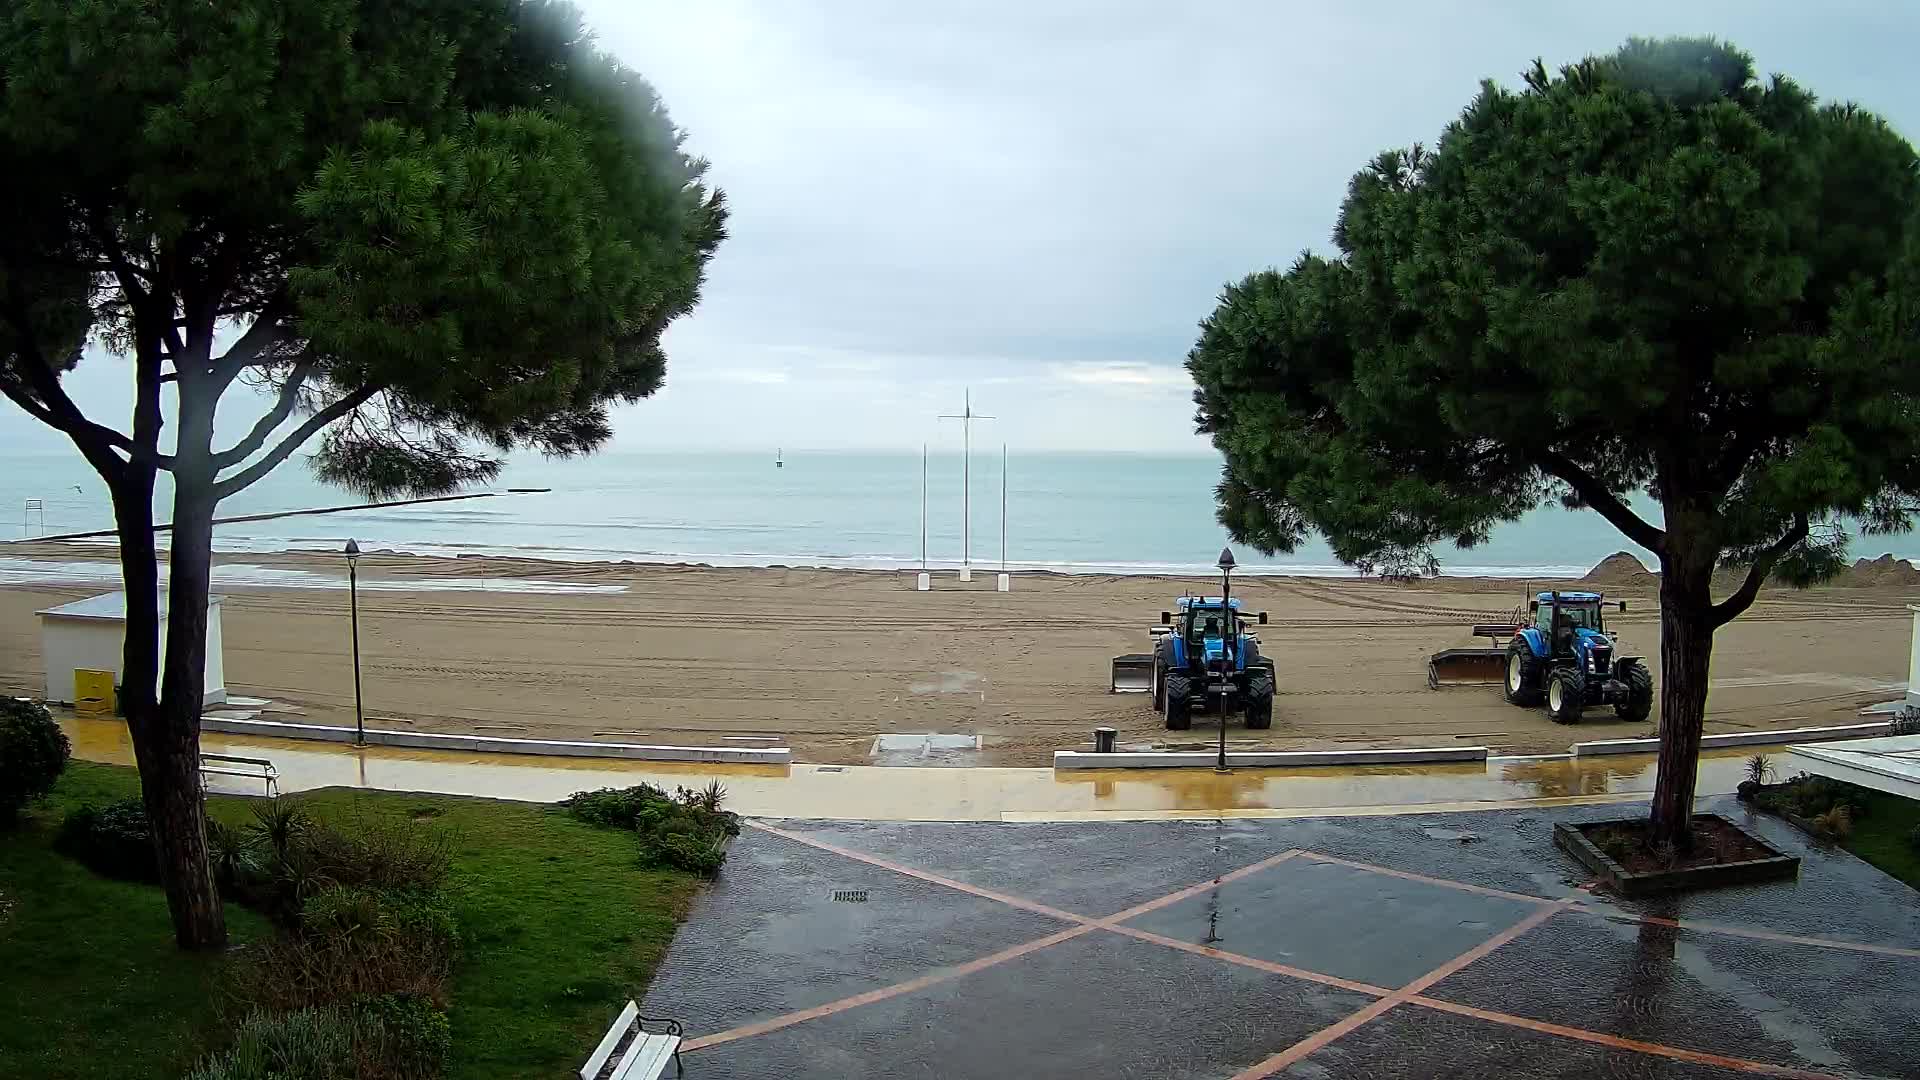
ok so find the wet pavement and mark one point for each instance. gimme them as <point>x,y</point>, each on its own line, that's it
<point>1460,944</point>
<point>873,793</point>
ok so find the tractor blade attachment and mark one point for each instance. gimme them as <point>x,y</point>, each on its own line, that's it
<point>1133,673</point>
<point>1466,667</point>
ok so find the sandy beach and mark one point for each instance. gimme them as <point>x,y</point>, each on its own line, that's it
<point>823,660</point>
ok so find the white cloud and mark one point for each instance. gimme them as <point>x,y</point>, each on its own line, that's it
<point>1124,374</point>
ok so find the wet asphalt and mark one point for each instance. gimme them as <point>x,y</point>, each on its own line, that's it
<point>790,932</point>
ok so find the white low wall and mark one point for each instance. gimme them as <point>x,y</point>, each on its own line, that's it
<point>1736,738</point>
<point>1261,759</point>
<point>429,740</point>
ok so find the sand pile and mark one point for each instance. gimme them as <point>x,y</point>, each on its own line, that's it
<point>1882,572</point>
<point>1619,571</point>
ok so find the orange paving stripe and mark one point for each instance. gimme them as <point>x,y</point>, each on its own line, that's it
<point>1365,1016</point>
<point>960,886</point>
<point>1748,932</point>
<point>1195,890</point>
<point>1388,999</point>
<point>885,992</point>
<point>1616,1041</point>
<point>1444,883</point>
<point>1254,962</point>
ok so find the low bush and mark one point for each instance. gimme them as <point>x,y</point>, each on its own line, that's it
<point>308,1044</point>
<point>350,943</point>
<point>113,841</point>
<point>299,859</point>
<point>613,808</point>
<point>1811,797</point>
<point>1836,823</point>
<point>386,1037</point>
<point>404,1037</point>
<point>685,831</point>
<point>33,754</point>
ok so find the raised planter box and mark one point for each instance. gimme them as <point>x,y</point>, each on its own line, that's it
<point>1775,867</point>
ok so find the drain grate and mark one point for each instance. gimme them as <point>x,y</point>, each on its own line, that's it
<point>850,896</point>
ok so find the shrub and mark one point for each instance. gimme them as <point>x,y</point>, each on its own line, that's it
<point>614,808</point>
<point>688,831</point>
<point>382,854</point>
<point>1836,824</point>
<point>384,1037</point>
<point>301,858</point>
<point>308,1044</point>
<point>403,1037</point>
<point>350,942</point>
<point>1759,767</point>
<point>114,841</point>
<point>33,754</point>
<point>237,866</point>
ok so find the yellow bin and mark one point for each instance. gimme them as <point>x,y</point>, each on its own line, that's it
<point>93,694</point>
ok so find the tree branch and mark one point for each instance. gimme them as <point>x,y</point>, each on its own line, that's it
<point>1727,610</point>
<point>240,481</point>
<point>266,332</point>
<point>283,407</point>
<point>133,280</point>
<point>1596,495</point>
<point>50,404</point>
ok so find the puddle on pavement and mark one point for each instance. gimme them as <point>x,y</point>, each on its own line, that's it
<point>931,749</point>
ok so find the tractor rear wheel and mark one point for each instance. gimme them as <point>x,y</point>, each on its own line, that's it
<point>1522,684</point>
<point>1639,693</point>
<point>1160,676</point>
<point>1566,695</point>
<point>1259,707</point>
<point>1179,702</point>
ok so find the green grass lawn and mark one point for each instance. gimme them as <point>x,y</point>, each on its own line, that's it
<point>1881,836</point>
<point>561,928</point>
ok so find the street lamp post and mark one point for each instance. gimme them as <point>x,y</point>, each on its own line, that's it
<point>353,605</point>
<point>1228,647</point>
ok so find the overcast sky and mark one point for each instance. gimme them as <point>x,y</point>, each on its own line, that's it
<point>1040,199</point>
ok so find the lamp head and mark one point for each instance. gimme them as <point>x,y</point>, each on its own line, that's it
<point>353,549</point>
<point>1226,562</point>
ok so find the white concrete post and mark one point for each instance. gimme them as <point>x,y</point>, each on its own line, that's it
<point>1005,583</point>
<point>924,582</point>
<point>1913,659</point>
<point>966,573</point>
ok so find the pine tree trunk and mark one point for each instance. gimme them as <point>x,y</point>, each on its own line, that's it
<point>165,748</point>
<point>176,806</point>
<point>1686,651</point>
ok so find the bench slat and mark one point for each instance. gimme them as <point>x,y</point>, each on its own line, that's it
<point>614,1034</point>
<point>648,1057</point>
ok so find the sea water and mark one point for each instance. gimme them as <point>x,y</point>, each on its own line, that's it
<point>1121,513</point>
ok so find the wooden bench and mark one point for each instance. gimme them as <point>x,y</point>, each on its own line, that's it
<point>630,1052</point>
<point>259,769</point>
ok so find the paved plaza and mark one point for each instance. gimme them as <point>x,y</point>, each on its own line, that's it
<point>1434,945</point>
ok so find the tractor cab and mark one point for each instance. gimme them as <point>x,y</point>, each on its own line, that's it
<point>1205,623</point>
<point>1570,623</point>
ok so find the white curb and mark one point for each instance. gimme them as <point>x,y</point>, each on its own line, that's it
<point>1260,759</point>
<point>1736,738</point>
<point>428,740</point>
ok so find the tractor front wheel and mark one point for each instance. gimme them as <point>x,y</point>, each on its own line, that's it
<point>1260,699</point>
<point>1522,684</point>
<point>1566,695</point>
<point>1179,703</point>
<point>1639,700</point>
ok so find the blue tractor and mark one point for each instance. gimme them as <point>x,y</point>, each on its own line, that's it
<point>1566,658</point>
<point>1202,658</point>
